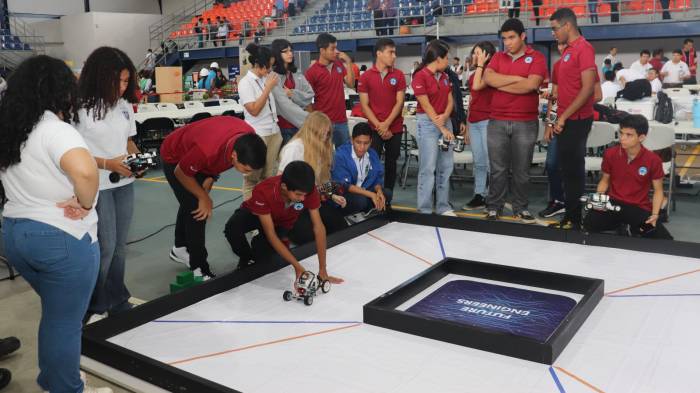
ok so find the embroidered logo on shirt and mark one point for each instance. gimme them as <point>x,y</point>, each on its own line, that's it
<point>193,168</point>
<point>392,81</point>
<point>259,203</point>
<point>340,70</point>
<point>567,57</point>
<point>126,114</point>
<point>643,171</point>
<point>445,82</point>
<point>419,86</point>
<point>528,60</point>
<point>298,206</point>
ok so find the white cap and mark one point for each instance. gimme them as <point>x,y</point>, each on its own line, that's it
<point>204,72</point>
<point>214,65</point>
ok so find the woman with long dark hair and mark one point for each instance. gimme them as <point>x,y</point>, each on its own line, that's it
<point>49,224</point>
<point>107,90</point>
<point>293,93</point>
<point>478,121</point>
<point>260,110</point>
<point>433,91</point>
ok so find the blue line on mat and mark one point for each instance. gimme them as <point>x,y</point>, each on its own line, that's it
<point>442,248</point>
<point>556,380</point>
<point>254,322</point>
<point>658,295</point>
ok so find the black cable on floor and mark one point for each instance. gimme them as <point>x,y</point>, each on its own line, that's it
<point>171,225</point>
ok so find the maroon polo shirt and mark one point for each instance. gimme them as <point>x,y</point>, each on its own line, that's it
<point>382,94</point>
<point>436,86</point>
<point>630,181</point>
<point>329,86</point>
<point>479,103</point>
<point>517,107</point>
<point>267,199</point>
<point>204,146</point>
<point>579,56</point>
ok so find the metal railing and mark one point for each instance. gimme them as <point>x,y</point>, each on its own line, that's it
<point>431,18</point>
<point>159,31</point>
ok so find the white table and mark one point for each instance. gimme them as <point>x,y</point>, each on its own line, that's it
<point>187,113</point>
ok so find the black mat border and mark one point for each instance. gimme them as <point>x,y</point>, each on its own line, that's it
<point>382,311</point>
<point>95,336</point>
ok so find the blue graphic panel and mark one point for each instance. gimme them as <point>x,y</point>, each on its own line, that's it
<point>495,307</point>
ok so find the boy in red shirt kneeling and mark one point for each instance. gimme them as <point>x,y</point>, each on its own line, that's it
<point>629,169</point>
<point>273,208</point>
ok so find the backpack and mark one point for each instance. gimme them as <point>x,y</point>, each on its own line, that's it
<point>610,115</point>
<point>664,108</point>
<point>635,90</point>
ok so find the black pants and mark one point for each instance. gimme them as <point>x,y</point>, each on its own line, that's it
<point>189,232</point>
<point>515,11</point>
<point>361,204</point>
<point>259,249</point>
<point>332,217</point>
<point>571,150</point>
<point>631,215</point>
<point>614,14</point>
<point>536,4</point>
<point>379,22</point>
<point>664,7</point>
<point>392,149</point>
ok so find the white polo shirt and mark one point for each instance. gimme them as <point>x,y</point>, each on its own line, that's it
<point>675,71</point>
<point>628,75</point>
<point>642,69</point>
<point>107,138</point>
<point>250,88</point>
<point>37,183</point>
<point>363,167</point>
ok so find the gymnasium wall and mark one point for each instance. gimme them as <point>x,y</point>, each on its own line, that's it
<point>71,7</point>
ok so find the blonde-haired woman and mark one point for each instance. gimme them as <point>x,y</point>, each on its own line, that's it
<point>314,144</point>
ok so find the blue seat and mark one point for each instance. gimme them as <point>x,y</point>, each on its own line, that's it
<point>367,24</point>
<point>313,28</point>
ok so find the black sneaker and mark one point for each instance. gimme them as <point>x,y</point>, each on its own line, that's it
<point>566,224</point>
<point>553,208</point>
<point>491,215</point>
<point>478,202</point>
<point>5,377</point>
<point>9,345</point>
<point>525,217</point>
<point>244,264</point>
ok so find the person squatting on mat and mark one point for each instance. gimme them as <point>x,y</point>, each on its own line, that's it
<point>358,169</point>
<point>49,222</point>
<point>313,144</point>
<point>273,209</point>
<point>107,90</point>
<point>629,169</point>
<point>193,158</point>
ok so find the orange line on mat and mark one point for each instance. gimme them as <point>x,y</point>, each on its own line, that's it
<point>654,281</point>
<point>579,379</point>
<point>211,355</point>
<point>401,249</point>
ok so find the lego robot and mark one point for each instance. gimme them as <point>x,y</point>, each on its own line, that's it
<point>599,202</point>
<point>306,288</point>
<point>137,163</point>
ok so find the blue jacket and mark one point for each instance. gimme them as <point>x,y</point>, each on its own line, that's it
<point>210,79</point>
<point>345,171</point>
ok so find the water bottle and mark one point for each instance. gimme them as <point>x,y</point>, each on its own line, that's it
<point>696,113</point>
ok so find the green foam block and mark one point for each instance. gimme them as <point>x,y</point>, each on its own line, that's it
<point>186,277</point>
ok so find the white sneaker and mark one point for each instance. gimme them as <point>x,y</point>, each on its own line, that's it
<point>449,213</point>
<point>94,318</point>
<point>198,273</point>
<point>180,255</point>
<point>92,389</point>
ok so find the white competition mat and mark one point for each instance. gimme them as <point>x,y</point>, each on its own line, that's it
<point>640,338</point>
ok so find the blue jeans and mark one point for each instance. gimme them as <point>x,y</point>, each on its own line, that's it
<point>114,210</point>
<point>551,165</point>
<point>341,134</point>
<point>287,134</point>
<point>593,10</point>
<point>480,152</point>
<point>62,270</point>
<point>435,167</point>
<point>361,204</point>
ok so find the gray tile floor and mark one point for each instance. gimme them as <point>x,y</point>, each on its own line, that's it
<point>149,271</point>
